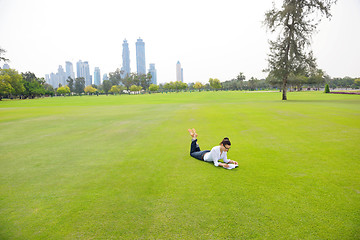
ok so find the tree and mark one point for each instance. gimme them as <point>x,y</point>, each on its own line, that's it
<point>296,21</point>
<point>2,52</point>
<point>153,88</point>
<point>5,86</point>
<point>14,79</point>
<point>63,90</point>
<point>357,82</point>
<point>117,89</point>
<point>135,88</point>
<point>107,86</point>
<point>240,81</point>
<point>79,85</point>
<point>297,80</point>
<point>316,78</point>
<point>49,90</point>
<point>145,80</point>
<point>115,77</point>
<point>33,86</point>
<point>70,84</point>
<point>198,85</point>
<point>327,90</point>
<point>89,89</point>
<point>215,83</point>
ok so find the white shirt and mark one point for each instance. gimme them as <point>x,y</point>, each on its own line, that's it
<point>214,156</point>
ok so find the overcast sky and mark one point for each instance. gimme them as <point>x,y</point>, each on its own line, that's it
<point>216,39</point>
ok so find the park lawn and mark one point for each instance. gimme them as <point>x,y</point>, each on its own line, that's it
<point>118,167</point>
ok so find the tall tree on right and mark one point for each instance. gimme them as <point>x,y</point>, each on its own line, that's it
<point>295,22</point>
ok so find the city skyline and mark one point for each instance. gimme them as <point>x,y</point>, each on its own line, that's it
<point>210,47</point>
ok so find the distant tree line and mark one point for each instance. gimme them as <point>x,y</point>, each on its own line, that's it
<point>27,85</point>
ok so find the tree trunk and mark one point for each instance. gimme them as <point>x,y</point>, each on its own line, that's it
<point>284,89</point>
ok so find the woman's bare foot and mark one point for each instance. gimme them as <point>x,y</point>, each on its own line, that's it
<point>195,134</point>
<point>191,133</point>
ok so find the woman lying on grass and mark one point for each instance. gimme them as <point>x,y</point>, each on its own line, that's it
<point>216,153</point>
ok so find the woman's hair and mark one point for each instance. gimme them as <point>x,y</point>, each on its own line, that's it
<point>225,141</point>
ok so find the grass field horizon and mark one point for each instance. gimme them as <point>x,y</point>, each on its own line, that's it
<point>118,167</point>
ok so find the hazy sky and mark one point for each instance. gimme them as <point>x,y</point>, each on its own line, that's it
<point>216,39</point>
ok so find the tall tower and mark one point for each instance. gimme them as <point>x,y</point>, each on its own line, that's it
<point>61,76</point>
<point>179,72</point>
<point>140,57</point>
<point>97,80</point>
<point>69,70</point>
<point>80,69</point>
<point>83,70</point>
<point>126,58</point>
<point>88,78</point>
<point>152,71</point>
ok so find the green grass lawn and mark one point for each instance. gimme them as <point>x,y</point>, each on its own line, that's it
<point>118,167</point>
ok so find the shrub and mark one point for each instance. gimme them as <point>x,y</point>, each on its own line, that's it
<point>327,90</point>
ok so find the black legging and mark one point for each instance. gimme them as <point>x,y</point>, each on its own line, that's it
<point>195,151</point>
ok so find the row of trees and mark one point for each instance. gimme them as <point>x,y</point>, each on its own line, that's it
<point>24,85</point>
<point>27,85</point>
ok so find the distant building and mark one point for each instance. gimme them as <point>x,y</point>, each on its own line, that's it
<point>53,80</point>
<point>83,70</point>
<point>152,71</point>
<point>61,77</point>
<point>69,70</point>
<point>140,57</point>
<point>126,59</point>
<point>80,71</point>
<point>105,77</point>
<point>6,66</point>
<point>47,78</point>
<point>97,79</point>
<point>179,72</point>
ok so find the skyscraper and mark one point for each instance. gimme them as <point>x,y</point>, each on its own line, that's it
<point>140,57</point>
<point>97,80</point>
<point>152,71</point>
<point>88,77</point>
<point>61,76</point>
<point>126,59</point>
<point>69,70</point>
<point>83,70</point>
<point>80,71</point>
<point>179,72</point>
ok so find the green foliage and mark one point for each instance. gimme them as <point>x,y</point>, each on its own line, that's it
<point>14,79</point>
<point>135,88</point>
<point>71,84</point>
<point>79,85</point>
<point>198,86</point>
<point>117,89</point>
<point>5,86</point>
<point>90,89</point>
<point>115,77</point>
<point>153,88</point>
<point>357,82</point>
<point>327,90</point>
<point>107,86</point>
<point>63,90</point>
<point>33,86</point>
<point>215,83</point>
